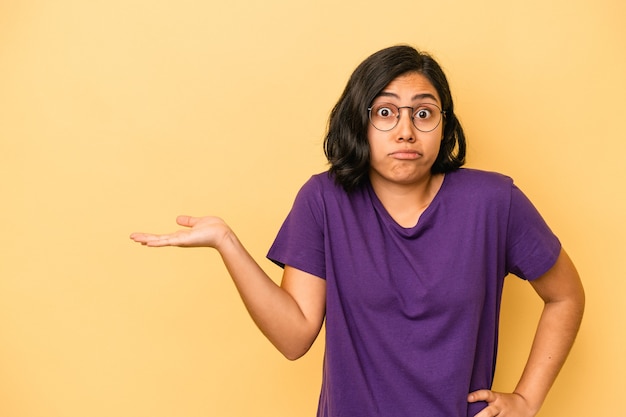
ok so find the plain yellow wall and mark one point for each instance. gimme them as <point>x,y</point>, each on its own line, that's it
<point>117,115</point>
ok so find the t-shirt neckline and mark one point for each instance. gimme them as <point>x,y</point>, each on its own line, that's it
<point>424,218</point>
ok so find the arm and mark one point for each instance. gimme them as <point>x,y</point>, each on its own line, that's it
<point>564,298</point>
<point>290,315</point>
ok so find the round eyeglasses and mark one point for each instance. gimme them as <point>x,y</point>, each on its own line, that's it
<point>425,116</point>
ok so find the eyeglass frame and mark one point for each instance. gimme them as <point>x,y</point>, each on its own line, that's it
<point>441,112</point>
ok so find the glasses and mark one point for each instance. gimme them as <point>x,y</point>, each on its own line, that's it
<point>385,116</point>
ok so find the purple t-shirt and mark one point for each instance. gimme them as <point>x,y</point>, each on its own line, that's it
<point>412,313</point>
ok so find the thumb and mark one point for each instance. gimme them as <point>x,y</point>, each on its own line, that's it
<point>481,395</point>
<point>187,221</point>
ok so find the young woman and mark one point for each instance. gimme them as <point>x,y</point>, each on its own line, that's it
<point>403,253</point>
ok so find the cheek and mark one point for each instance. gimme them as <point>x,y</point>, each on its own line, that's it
<point>436,143</point>
<point>433,144</point>
<point>371,134</point>
<point>438,136</point>
<point>373,139</point>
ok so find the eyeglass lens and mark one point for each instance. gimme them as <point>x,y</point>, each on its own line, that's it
<point>385,116</point>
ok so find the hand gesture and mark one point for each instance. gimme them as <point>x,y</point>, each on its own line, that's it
<point>200,231</point>
<point>501,404</point>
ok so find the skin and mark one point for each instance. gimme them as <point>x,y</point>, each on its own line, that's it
<point>291,314</point>
<point>401,159</point>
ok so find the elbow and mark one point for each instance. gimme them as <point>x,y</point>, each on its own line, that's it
<point>296,345</point>
<point>294,353</point>
<point>292,357</point>
<point>577,301</point>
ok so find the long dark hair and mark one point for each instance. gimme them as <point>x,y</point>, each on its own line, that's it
<point>346,145</point>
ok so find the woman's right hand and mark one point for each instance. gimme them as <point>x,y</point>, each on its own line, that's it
<point>200,231</point>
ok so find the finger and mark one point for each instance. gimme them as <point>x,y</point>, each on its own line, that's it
<point>140,237</point>
<point>161,241</point>
<point>488,412</point>
<point>187,221</point>
<point>150,239</point>
<point>481,395</point>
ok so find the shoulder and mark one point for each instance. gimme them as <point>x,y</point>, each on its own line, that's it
<point>477,187</point>
<point>469,180</point>
<point>477,177</point>
<point>316,192</point>
<point>320,180</point>
<point>320,185</point>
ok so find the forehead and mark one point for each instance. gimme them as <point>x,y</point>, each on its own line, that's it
<point>410,86</point>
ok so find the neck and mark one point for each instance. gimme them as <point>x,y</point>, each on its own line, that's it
<point>406,202</point>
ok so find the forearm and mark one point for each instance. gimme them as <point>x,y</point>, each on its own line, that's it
<point>289,315</point>
<point>554,338</point>
<point>273,309</point>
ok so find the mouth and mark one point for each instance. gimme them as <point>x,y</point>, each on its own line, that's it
<point>406,154</point>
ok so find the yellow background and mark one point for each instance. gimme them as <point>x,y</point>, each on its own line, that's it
<point>118,115</point>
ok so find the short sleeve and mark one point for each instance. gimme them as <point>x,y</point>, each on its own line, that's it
<point>532,248</point>
<point>300,240</point>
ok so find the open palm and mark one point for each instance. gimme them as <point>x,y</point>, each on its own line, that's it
<point>200,231</point>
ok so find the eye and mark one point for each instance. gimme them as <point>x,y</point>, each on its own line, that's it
<point>423,113</point>
<point>384,111</point>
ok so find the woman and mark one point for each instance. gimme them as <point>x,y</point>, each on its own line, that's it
<point>403,253</point>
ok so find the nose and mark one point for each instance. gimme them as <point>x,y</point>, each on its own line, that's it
<point>405,128</point>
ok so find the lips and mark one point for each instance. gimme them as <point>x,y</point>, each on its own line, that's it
<point>408,154</point>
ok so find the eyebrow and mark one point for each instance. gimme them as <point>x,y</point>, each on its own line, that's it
<point>415,97</point>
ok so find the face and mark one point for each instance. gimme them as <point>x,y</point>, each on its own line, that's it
<point>404,154</point>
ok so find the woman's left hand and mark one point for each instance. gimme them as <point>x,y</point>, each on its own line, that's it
<point>501,404</point>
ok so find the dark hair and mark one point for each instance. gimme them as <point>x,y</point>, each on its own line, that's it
<point>346,145</point>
